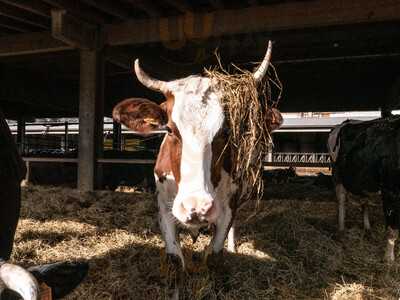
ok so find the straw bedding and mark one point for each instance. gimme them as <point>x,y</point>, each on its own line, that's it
<point>287,251</point>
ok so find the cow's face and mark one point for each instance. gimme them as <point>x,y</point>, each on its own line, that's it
<point>198,116</point>
<point>194,117</point>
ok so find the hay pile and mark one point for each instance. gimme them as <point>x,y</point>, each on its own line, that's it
<point>287,251</point>
<point>246,104</point>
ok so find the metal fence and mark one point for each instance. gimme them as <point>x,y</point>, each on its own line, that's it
<point>58,139</point>
<point>300,159</point>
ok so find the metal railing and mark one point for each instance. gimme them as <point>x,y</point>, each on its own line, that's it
<point>300,159</point>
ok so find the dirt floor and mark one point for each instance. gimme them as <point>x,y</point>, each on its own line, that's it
<point>288,250</point>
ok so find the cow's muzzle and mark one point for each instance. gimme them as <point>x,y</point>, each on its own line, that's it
<point>195,211</point>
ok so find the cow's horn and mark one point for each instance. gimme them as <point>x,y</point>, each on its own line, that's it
<point>19,280</point>
<point>262,69</point>
<point>147,81</point>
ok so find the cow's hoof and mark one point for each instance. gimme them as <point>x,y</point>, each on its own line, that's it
<point>340,235</point>
<point>367,234</point>
<point>196,264</point>
<point>173,294</point>
<point>215,261</point>
<point>173,264</point>
<point>389,259</point>
<point>174,260</point>
<point>174,274</point>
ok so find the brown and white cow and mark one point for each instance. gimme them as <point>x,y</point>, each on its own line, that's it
<point>194,186</point>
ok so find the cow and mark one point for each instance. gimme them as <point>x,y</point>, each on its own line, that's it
<point>62,277</point>
<point>192,172</point>
<point>366,159</point>
<point>12,171</point>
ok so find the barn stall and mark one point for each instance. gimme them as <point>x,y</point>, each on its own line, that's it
<point>70,59</point>
<point>287,250</point>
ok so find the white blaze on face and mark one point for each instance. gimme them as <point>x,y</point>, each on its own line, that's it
<point>198,114</point>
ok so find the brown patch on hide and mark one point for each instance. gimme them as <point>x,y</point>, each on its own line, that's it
<point>221,157</point>
<point>169,157</point>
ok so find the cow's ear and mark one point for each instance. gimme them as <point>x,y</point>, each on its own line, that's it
<point>274,119</point>
<point>140,115</point>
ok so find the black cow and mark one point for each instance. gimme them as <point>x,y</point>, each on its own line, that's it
<point>366,159</point>
<point>60,277</point>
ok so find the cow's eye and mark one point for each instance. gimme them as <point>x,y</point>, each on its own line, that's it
<point>169,130</point>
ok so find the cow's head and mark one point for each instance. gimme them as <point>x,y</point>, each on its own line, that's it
<point>194,117</point>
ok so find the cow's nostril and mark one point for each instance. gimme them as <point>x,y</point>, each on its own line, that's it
<point>206,208</point>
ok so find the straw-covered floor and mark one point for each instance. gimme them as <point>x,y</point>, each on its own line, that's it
<point>287,251</point>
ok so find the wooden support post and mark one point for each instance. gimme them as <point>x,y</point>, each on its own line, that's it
<point>86,37</point>
<point>90,118</point>
<point>21,135</point>
<point>117,136</point>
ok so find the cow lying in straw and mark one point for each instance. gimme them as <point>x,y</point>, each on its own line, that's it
<point>210,161</point>
<point>15,281</point>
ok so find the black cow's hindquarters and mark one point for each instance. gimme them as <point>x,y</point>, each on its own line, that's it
<point>10,204</point>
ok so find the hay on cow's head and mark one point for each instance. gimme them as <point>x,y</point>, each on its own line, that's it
<point>246,105</point>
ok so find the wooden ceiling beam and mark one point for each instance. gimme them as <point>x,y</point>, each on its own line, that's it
<point>252,2</point>
<point>121,61</point>
<point>73,31</point>
<point>111,8</point>
<point>33,6</point>
<point>268,18</point>
<point>77,10</point>
<point>147,6</point>
<point>180,5</point>
<point>217,4</point>
<point>30,43</point>
<point>5,31</point>
<point>23,16</point>
<point>14,25</point>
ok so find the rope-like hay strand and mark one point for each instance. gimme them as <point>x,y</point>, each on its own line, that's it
<point>246,104</point>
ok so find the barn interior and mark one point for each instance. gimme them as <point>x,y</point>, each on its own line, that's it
<point>73,59</point>
<point>61,58</point>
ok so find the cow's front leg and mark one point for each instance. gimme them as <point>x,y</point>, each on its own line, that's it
<point>341,198</point>
<point>220,232</point>
<point>392,235</point>
<point>392,217</point>
<point>365,210</point>
<point>168,231</point>
<point>175,263</point>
